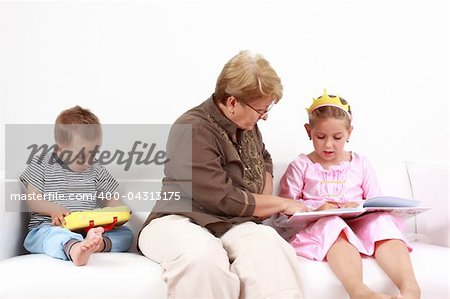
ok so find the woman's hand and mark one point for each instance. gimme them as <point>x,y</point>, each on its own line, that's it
<point>294,206</point>
<point>57,213</point>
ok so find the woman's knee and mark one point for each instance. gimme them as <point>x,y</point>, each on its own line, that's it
<point>268,235</point>
<point>208,256</point>
<point>207,263</point>
<point>168,238</point>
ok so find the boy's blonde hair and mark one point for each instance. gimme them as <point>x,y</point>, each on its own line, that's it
<point>78,122</point>
<point>248,76</point>
<point>330,111</point>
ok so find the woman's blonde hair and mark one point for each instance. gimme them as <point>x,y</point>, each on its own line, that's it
<point>330,111</point>
<point>79,122</point>
<point>248,76</point>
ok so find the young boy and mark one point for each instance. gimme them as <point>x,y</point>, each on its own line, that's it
<point>70,179</point>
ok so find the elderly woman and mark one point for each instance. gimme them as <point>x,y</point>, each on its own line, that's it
<point>217,248</point>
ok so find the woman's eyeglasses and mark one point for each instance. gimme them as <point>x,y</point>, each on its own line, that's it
<point>262,112</point>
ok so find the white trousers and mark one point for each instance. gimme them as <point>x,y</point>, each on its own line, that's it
<point>249,261</point>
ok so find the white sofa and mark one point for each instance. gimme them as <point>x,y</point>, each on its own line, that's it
<point>129,275</point>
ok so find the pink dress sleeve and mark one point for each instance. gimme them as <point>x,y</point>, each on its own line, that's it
<point>291,183</point>
<point>291,186</point>
<point>370,185</point>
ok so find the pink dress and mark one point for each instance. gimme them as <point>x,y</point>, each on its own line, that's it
<point>349,181</point>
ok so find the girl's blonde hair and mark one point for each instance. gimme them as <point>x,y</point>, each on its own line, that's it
<point>330,111</point>
<point>248,76</point>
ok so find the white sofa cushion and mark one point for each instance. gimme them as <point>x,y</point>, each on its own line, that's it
<point>128,275</point>
<point>107,275</point>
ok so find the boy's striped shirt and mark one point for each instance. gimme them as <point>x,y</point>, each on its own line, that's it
<point>77,191</point>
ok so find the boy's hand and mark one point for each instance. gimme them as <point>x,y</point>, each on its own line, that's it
<point>58,212</point>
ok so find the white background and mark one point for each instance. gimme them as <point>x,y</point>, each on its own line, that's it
<point>148,62</point>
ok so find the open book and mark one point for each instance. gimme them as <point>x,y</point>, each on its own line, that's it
<point>400,207</point>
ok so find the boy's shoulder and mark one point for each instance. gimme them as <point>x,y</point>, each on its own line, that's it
<point>42,159</point>
<point>97,166</point>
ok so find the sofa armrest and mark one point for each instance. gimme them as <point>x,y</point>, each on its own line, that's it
<point>12,228</point>
<point>12,224</point>
<point>429,182</point>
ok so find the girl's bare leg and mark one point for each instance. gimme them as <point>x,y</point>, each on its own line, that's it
<point>393,258</point>
<point>345,261</point>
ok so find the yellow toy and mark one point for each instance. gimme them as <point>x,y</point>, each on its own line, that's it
<point>106,217</point>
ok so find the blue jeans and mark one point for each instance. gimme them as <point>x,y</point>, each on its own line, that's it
<point>50,239</point>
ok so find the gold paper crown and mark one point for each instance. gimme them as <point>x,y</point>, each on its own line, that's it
<point>326,100</point>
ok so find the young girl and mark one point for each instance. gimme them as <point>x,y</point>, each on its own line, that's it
<point>331,178</point>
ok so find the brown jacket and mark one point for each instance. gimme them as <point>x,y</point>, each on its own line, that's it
<point>216,184</point>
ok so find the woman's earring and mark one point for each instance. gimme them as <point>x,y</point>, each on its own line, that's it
<point>232,112</point>
<point>348,140</point>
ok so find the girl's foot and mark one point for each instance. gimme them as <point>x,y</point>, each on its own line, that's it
<point>410,293</point>
<point>369,294</point>
<point>81,251</point>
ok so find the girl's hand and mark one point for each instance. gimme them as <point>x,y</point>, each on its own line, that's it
<point>328,206</point>
<point>350,204</point>
<point>58,212</point>
<point>293,207</point>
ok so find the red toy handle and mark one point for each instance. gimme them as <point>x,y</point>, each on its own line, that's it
<point>110,226</point>
<point>106,227</point>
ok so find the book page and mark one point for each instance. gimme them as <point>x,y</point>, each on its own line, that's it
<point>308,217</point>
<point>304,218</point>
<point>401,212</point>
<point>391,201</point>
